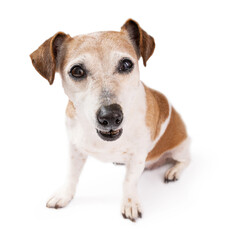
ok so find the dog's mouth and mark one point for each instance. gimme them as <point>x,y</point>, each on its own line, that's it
<point>111,135</point>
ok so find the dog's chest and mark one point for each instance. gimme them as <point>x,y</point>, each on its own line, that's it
<point>119,151</point>
<point>122,155</point>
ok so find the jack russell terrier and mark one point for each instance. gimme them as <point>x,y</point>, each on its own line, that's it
<point>111,115</point>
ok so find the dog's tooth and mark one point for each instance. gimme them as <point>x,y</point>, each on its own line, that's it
<point>111,132</point>
<point>107,133</point>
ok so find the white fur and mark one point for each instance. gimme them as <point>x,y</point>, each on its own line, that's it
<point>85,137</point>
<point>181,155</point>
<point>65,194</point>
<point>130,204</point>
<point>135,142</point>
<point>131,148</point>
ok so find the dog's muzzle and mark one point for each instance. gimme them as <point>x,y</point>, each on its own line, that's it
<point>109,118</point>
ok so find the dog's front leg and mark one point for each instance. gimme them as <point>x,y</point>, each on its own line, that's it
<point>131,208</point>
<point>65,194</point>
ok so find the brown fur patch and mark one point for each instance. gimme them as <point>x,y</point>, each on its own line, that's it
<point>45,58</point>
<point>144,44</point>
<point>70,110</point>
<point>152,113</point>
<point>174,134</point>
<point>157,111</point>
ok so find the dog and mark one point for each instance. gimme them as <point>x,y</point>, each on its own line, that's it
<point>111,114</point>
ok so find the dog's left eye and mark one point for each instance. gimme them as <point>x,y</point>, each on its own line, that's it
<point>77,72</point>
<point>125,65</point>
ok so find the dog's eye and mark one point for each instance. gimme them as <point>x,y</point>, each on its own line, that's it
<point>125,65</point>
<point>77,72</point>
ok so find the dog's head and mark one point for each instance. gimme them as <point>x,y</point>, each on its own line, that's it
<point>100,73</point>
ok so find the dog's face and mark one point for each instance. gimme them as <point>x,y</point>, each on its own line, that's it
<point>100,76</point>
<point>99,73</point>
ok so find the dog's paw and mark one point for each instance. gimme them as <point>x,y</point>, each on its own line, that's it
<point>61,198</point>
<point>131,209</point>
<point>172,174</point>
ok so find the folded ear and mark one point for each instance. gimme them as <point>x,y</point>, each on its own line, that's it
<point>45,58</point>
<point>143,43</point>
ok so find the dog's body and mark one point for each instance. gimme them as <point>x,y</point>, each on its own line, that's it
<point>111,114</point>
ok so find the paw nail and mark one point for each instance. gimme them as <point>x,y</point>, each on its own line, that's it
<point>139,214</point>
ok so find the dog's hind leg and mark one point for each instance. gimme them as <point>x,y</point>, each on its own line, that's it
<point>181,157</point>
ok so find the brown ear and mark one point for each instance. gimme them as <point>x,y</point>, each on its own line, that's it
<point>45,58</point>
<point>143,43</point>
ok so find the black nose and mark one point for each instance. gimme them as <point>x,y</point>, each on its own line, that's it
<point>110,117</point>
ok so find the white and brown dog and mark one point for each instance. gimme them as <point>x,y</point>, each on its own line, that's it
<point>111,115</point>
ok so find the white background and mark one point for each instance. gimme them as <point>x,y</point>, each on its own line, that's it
<point>190,65</point>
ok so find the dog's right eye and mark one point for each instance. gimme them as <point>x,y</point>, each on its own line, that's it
<point>77,72</point>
